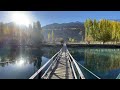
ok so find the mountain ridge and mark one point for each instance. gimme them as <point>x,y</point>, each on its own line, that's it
<point>73,30</point>
<point>76,24</point>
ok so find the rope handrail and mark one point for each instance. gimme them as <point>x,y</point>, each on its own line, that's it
<point>78,69</point>
<point>37,72</point>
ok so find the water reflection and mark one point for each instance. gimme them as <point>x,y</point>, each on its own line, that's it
<point>103,62</point>
<point>50,51</point>
<point>22,62</point>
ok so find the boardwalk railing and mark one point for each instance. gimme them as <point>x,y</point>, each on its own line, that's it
<point>50,61</point>
<point>76,72</point>
<point>89,71</point>
<point>74,65</point>
<point>51,65</point>
<point>77,65</point>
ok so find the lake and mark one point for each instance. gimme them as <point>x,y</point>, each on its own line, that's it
<point>24,62</point>
<point>104,62</point>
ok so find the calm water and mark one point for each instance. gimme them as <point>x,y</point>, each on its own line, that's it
<point>24,62</point>
<point>105,63</point>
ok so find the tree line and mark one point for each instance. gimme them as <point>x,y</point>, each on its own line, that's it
<point>103,30</point>
<point>20,34</point>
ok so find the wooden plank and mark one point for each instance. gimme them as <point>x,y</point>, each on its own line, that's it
<point>36,73</point>
<point>62,69</point>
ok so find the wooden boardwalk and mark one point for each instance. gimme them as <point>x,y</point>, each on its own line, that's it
<point>62,68</point>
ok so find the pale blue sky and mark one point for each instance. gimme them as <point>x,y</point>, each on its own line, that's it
<point>48,17</point>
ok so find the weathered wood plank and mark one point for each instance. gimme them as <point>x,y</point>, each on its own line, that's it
<point>62,69</point>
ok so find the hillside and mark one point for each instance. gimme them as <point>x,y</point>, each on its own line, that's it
<point>73,30</point>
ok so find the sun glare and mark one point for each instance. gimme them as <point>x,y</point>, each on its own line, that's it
<point>20,62</point>
<point>20,18</point>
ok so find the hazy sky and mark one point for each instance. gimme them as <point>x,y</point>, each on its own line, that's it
<point>48,17</point>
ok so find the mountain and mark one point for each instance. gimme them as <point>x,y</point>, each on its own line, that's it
<point>73,30</point>
<point>63,26</point>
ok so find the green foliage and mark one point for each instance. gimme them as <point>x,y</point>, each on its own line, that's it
<point>71,40</point>
<point>52,35</point>
<point>48,36</point>
<point>103,30</point>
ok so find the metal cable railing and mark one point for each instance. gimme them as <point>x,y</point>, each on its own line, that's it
<point>89,71</point>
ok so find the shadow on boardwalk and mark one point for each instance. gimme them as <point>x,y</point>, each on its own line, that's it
<point>62,69</point>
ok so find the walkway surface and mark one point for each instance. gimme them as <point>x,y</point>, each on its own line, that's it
<point>62,69</point>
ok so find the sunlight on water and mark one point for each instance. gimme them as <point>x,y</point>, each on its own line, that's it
<point>23,62</point>
<point>20,62</point>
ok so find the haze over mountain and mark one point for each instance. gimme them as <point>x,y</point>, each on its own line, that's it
<point>73,30</point>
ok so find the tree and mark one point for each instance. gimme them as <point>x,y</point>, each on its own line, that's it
<point>88,30</point>
<point>73,40</point>
<point>48,36</point>
<point>70,39</point>
<point>103,30</point>
<point>52,36</point>
<point>37,36</point>
<point>38,25</point>
<point>104,33</point>
<point>95,30</point>
<point>89,39</point>
<point>116,31</point>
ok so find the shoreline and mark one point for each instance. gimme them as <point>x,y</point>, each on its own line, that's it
<point>86,45</point>
<point>68,45</point>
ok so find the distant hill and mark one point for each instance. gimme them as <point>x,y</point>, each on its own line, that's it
<point>74,30</point>
<point>63,26</point>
